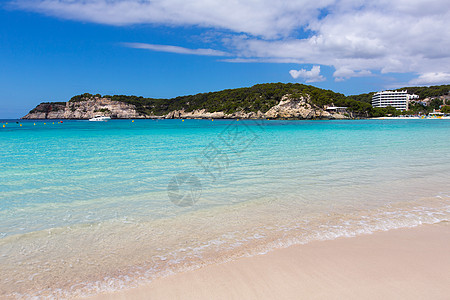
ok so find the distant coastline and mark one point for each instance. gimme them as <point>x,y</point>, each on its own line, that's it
<point>262,101</point>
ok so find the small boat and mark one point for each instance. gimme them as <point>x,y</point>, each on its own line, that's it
<point>99,119</point>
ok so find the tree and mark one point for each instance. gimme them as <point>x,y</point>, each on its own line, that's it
<point>445,109</point>
<point>436,103</point>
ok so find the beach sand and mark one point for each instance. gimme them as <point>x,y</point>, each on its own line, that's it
<point>411,263</point>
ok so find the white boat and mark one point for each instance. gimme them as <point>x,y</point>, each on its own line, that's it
<point>99,119</point>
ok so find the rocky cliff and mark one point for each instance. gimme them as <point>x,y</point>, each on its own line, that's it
<point>84,110</point>
<point>288,108</point>
<point>299,108</point>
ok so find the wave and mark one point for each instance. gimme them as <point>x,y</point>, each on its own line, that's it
<point>84,260</point>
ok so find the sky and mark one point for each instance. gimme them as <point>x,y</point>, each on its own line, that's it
<point>51,50</point>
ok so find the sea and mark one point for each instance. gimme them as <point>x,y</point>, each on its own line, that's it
<point>95,207</point>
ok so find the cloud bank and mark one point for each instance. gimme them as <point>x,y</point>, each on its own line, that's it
<point>432,78</point>
<point>356,37</point>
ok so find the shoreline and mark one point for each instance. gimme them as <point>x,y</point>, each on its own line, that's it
<point>411,263</point>
<point>242,119</point>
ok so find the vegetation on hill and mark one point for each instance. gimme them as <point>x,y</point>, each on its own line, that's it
<point>84,97</point>
<point>262,97</point>
<point>420,108</point>
<point>48,106</point>
<point>366,98</point>
<point>446,109</point>
<point>427,91</point>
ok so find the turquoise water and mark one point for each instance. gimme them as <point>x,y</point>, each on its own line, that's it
<point>92,206</point>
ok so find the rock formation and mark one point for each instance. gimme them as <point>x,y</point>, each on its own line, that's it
<point>85,110</point>
<point>288,108</point>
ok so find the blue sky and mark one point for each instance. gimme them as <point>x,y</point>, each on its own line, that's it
<point>51,50</point>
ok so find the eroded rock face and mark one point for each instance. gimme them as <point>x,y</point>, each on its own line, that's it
<point>299,108</point>
<point>85,110</point>
<point>292,108</point>
<point>196,114</point>
<point>203,114</point>
<point>288,108</point>
<point>43,110</point>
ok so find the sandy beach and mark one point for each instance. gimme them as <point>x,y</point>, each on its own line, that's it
<point>412,263</point>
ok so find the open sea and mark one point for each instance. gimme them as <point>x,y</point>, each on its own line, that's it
<point>88,207</point>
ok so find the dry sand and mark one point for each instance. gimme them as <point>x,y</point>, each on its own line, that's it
<point>399,264</point>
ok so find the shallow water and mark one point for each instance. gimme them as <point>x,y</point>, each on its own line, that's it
<point>88,207</point>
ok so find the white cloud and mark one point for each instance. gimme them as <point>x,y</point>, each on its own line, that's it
<point>356,37</point>
<point>309,76</point>
<point>344,73</point>
<point>257,17</point>
<point>432,78</point>
<point>176,49</point>
<point>263,60</point>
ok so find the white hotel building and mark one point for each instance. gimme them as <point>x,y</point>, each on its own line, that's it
<point>397,99</point>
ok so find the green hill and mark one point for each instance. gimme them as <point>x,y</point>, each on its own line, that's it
<point>262,97</point>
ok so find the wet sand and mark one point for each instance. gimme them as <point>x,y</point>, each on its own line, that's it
<point>411,263</point>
